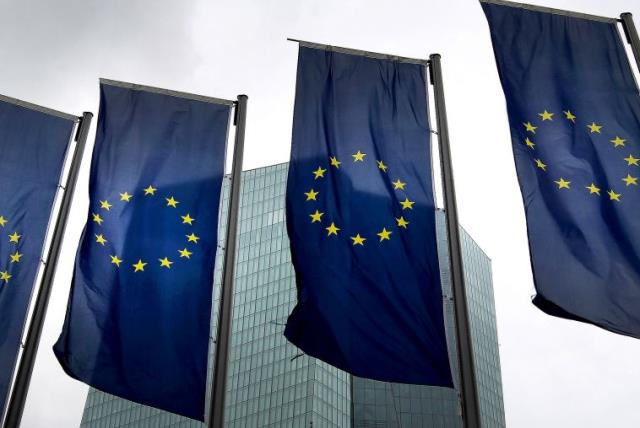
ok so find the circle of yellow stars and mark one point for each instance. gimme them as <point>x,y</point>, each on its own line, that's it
<point>139,265</point>
<point>332,228</point>
<point>15,256</point>
<point>594,129</point>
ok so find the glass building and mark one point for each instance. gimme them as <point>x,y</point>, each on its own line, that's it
<point>272,384</point>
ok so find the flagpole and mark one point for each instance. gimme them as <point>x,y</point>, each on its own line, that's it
<point>225,308</point>
<point>632,35</point>
<point>468,386</point>
<point>25,369</point>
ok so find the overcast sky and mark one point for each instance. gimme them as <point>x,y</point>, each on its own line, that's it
<point>556,373</point>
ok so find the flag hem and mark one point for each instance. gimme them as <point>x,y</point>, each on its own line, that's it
<point>555,310</point>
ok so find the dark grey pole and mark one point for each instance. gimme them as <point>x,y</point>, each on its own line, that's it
<point>25,369</point>
<point>632,35</point>
<point>470,405</point>
<point>225,308</point>
<point>353,407</point>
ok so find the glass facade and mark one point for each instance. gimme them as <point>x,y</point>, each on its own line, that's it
<point>381,404</point>
<point>271,383</point>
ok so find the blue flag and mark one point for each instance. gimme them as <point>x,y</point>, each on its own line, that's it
<point>361,220</point>
<point>138,319</point>
<point>33,145</point>
<point>574,114</point>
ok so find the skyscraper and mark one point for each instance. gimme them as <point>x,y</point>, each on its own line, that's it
<point>271,383</point>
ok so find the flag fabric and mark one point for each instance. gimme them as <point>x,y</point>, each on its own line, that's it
<point>33,146</point>
<point>138,318</point>
<point>574,114</point>
<point>361,220</point>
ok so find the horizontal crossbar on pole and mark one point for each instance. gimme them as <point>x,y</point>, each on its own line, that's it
<point>41,109</point>
<point>562,12</point>
<point>367,54</point>
<point>169,92</point>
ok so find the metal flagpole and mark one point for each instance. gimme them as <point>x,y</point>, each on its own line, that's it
<point>225,309</point>
<point>25,369</point>
<point>632,35</point>
<point>470,405</point>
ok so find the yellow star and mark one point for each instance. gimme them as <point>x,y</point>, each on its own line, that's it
<point>332,229</point>
<point>192,238</point>
<point>402,222</point>
<point>593,189</point>
<point>105,205</point>
<point>617,142</point>
<point>311,195</point>
<point>335,162</point>
<point>15,257</point>
<point>359,156</point>
<point>4,276</point>
<point>614,196</point>
<point>384,234</point>
<point>594,128</point>
<point>165,262</point>
<point>382,166</point>
<point>139,267</point>
<point>570,116</point>
<point>172,202</point>
<point>15,237</point>
<point>187,219</point>
<point>541,165</point>
<point>407,204</point>
<point>562,183</point>
<point>629,180</point>
<point>125,197</point>
<point>529,143</point>
<point>398,185</point>
<point>115,260</point>
<point>319,173</point>
<point>358,240</point>
<point>315,217</point>
<point>529,127</point>
<point>150,190</point>
<point>3,221</point>
<point>100,239</point>
<point>545,115</point>
<point>632,161</point>
<point>97,218</point>
<point>185,253</point>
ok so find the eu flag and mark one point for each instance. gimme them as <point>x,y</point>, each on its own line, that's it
<point>574,114</point>
<point>361,219</point>
<point>33,145</point>
<point>138,319</point>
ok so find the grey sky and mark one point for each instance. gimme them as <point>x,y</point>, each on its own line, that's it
<point>556,373</point>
